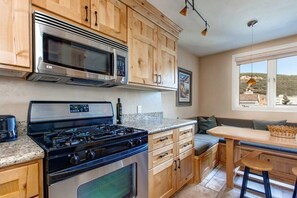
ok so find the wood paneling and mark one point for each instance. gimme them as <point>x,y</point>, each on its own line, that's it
<point>75,10</point>
<point>109,17</point>
<point>142,42</point>
<point>14,34</point>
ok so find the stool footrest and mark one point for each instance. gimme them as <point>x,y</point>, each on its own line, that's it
<point>254,190</point>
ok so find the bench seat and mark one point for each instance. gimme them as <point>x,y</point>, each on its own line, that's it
<point>202,142</point>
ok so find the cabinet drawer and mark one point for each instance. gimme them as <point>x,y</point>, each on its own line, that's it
<point>184,145</point>
<point>161,139</point>
<point>185,132</point>
<point>161,155</point>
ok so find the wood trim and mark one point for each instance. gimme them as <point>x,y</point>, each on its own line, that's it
<point>149,11</point>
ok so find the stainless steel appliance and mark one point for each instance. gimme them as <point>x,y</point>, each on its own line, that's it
<point>67,54</point>
<point>86,155</point>
<point>8,130</point>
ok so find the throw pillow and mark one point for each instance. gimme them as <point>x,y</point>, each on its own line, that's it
<point>262,124</point>
<point>204,125</point>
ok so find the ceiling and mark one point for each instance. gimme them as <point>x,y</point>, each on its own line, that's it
<point>228,19</point>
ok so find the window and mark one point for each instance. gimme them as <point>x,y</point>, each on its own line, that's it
<point>275,72</point>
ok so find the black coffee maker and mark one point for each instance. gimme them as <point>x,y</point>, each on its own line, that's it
<point>8,130</point>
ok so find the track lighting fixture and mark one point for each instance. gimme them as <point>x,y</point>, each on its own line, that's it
<point>184,13</point>
<point>184,10</point>
<point>204,32</point>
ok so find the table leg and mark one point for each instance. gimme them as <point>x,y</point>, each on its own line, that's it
<point>229,162</point>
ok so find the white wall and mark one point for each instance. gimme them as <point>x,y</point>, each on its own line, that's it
<point>215,86</point>
<point>190,62</point>
<point>16,94</point>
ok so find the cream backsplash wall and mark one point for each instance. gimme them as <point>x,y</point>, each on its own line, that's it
<point>190,62</point>
<point>16,94</point>
<point>215,89</point>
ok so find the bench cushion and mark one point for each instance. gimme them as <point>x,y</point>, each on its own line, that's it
<point>269,147</point>
<point>202,142</point>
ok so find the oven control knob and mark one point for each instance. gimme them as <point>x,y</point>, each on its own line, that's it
<point>130,144</point>
<point>138,142</point>
<point>91,155</point>
<point>74,159</point>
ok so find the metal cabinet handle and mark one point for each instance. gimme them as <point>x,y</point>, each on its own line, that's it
<point>86,19</point>
<point>159,77</point>
<point>156,75</point>
<point>163,139</point>
<point>185,145</point>
<point>175,165</point>
<point>163,155</point>
<point>96,18</point>
<point>178,163</point>
<point>185,132</point>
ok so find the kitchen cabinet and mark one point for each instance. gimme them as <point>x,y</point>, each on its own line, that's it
<point>23,180</point>
<point>106,16</point>
<point>170,161</point>
<point>75,10</point>
<point>167,59</point>
<point>152,53</point>
<point>14,36</point>
<point>142,43</point>
<point>109,17</point>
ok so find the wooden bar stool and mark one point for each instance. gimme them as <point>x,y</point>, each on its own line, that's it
<point>258,165</point>
<point>294,170</point>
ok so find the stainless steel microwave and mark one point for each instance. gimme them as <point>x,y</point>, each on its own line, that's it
<point>63,53</point>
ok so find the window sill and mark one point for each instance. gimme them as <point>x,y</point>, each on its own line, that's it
<point>264,109</point>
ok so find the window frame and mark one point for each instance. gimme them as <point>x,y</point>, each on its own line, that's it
<point>280,51</point>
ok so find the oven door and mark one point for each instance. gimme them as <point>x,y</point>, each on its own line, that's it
<point>125,178</point>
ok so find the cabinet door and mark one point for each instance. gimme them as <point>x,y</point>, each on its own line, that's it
<point>162,180</point>
<point>14,33</point>
<point>142,45</point>
<point>110,17</point>
<point>75,10</point>
<point>167,62</point>
<point>19,182</point>
<point>185,168</point>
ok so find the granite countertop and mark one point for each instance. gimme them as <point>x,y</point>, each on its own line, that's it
<point>158,125</point>
<point>22,150</point>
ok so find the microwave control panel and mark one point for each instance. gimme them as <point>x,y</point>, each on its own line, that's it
<point>121,65</point>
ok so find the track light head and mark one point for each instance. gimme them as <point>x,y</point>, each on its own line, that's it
<point>204,32</point>
<point>184,11</point>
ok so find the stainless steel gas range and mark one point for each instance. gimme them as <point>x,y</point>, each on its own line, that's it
<point>86,155</point>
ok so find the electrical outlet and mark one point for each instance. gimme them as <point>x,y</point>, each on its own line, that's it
<point>139,109</point>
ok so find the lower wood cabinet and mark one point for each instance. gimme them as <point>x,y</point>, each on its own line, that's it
<point>170,166</point>
<point>23,181</point>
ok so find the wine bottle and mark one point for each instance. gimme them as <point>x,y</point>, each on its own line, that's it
<point>119,111</point>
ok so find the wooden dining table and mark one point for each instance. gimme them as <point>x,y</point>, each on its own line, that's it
<point>233,136</point>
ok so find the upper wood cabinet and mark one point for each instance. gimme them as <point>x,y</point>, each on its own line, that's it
<point>75,10</point>
<point>142,43</point>
<point>167,59</point>
<point>152,53</point>
<point>109,17</point>
<point>14,35</point>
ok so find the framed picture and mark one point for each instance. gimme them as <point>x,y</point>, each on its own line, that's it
<point>184,88</point>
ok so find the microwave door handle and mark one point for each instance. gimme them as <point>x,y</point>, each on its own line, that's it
<point>115,64</point>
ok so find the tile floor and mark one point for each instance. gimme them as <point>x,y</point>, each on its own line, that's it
<point>214,186</point>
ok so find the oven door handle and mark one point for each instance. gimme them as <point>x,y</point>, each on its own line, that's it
<point>72,171</point>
